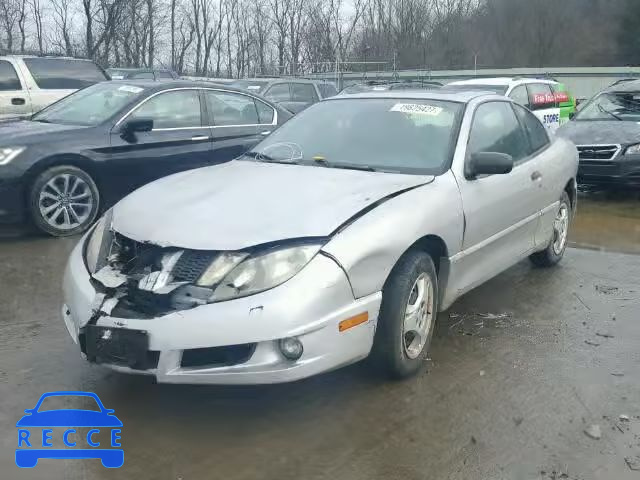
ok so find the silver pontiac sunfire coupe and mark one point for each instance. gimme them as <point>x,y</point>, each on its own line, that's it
<point>340,236</point>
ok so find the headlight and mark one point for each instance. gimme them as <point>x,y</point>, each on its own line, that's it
<point>633,150</point>
<point>9,153</point>
<point>239,278</point>
<point>95,254</point>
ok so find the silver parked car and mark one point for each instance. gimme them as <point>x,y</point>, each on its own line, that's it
<point>340,235</point>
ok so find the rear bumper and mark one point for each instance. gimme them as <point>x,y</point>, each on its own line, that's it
<point>622,171</point>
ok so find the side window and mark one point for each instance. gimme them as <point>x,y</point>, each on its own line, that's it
<point>229,109</point>
<point>561,93</point>
<point>142,76</point>
<point>8,77</point>
<point>540,96</point>
<point>303,92</point>
<point>63,74</point>
<point>278,93</point>
<point>179,109</point>
<point>164,74</point>
<point>520,96</point>
<point>327,90</point>
<point>536,132</point>
<point>495,128</point>
<point>265,113</point>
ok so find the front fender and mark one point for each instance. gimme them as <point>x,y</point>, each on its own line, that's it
<point>369,248</point>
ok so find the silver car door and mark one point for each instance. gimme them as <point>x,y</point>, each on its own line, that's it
<point>501,211</point>
<point>547,171</point>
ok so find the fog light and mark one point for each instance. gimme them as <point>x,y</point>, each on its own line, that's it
<point>291,348</point>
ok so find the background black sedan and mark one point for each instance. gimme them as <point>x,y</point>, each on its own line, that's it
<point>86,151</point>
<point>607,133</point>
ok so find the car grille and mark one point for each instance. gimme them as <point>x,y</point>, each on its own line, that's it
<point>598,152</point>
<point>141,258</point>
<point>192,264</point>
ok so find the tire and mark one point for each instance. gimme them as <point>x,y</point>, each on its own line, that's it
<point>392,349</point>
<point>63,201</point>
<point>554,252</point>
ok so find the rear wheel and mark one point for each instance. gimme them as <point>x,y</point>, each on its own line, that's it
<point>407,316</point>
<point>64,200</point>
<point>554,252</point>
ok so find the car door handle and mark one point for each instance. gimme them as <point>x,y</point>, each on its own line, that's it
<point>265,133</point>
<point>199,138</point>
<point>536,176</point>
<point>18,101</point>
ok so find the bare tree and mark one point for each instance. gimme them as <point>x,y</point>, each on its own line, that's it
<point>9,17</point>
<point>37,12</point>
<point>61,18</point>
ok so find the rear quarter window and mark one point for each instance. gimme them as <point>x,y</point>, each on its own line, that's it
<point>327,90</point>
<point>8,77</point>
<point>63,73</point>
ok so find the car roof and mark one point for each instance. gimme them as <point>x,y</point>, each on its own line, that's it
<point>460,97</point>
<point>501,81</point>
<point>281,79</point>
<point>47,57</point>
<point>176,83</point>
<point>630,86</point>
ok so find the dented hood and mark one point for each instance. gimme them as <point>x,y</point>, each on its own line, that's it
<point>244,203</point>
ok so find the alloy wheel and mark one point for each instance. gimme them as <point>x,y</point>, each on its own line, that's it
<point>65,201</point>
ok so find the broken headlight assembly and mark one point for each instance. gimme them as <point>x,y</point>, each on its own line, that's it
<point>236,275</point>
<point>97,243</point>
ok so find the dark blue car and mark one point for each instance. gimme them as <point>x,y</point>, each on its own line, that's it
<point>28,457</point>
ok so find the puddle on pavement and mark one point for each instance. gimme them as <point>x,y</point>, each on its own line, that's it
<point>607,221</point>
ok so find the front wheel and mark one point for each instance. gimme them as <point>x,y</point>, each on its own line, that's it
<point>407,315</point>
<point>554,252</point>
<point>64,200</point>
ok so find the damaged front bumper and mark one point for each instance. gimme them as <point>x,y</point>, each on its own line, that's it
<point>235,341</point>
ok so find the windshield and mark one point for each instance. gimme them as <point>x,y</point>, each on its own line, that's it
<point>253,85</point>
<point>475,87</point>
<point>399,135</point>
<point>91,106</point>
<point>616,106</point>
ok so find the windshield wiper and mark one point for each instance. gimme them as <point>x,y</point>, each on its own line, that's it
<point>41,120</point>
<point>604,110</point>
<point>261,157</point>
<point>344,166</point>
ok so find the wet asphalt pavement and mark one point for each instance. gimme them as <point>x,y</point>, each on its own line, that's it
<point>519,369</point>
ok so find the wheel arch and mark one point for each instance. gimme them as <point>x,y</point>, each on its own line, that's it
<point>572,190</point>
<point>437,249</point>
<point>73,159</point>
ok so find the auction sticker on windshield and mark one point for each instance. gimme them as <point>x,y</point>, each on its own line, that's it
<point>416,108</point>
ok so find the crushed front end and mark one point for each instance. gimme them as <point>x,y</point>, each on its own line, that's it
<point>196,316</point>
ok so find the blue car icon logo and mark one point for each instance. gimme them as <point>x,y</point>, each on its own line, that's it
<point>35,433</point>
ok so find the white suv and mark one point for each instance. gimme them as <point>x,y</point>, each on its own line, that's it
<point>541,96</point>
<point>29,83</point>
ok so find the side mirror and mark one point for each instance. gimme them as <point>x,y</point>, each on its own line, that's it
<point>489,163</point>
<point>131,127</point>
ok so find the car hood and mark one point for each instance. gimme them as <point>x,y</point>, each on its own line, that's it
<point>26,132</point>
<point>600,132</point>
<point>244,203</point>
